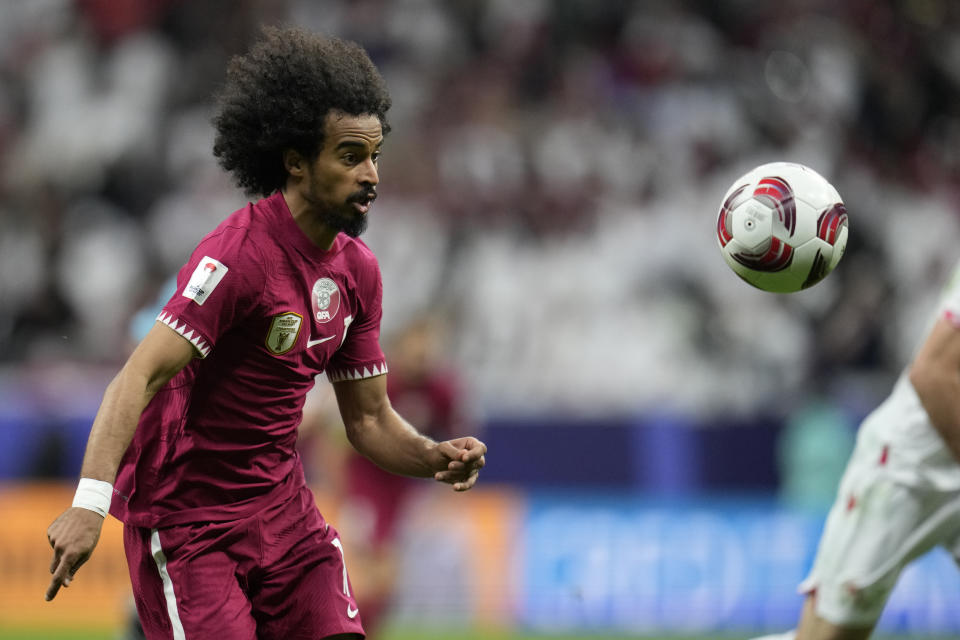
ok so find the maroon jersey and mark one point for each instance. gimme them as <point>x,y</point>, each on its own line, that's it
<point>267,310</point>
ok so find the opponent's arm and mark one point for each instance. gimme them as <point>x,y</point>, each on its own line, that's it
<point>378,432</point>
<point>160,355</point>
<point>935,375</point>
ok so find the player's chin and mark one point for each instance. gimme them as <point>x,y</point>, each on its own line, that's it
<point>353,224</point>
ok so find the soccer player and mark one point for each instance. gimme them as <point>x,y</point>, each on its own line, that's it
<point>900,494</point>
<point>193,446</point>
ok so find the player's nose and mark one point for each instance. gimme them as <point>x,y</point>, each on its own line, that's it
<point>369,174</point>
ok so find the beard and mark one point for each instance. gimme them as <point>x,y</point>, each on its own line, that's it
<point>346,218</point>
<point>350,223</point>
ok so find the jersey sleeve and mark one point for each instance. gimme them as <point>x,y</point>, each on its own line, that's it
<point>219,285</point>
<point>360,355</point>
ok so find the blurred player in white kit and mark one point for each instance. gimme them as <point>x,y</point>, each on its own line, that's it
<point>900,494</point>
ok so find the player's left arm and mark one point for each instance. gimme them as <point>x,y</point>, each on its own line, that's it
<point>935,375</point>
<point>378,432</point>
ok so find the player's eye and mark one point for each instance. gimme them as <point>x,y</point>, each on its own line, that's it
<point>350,158</point>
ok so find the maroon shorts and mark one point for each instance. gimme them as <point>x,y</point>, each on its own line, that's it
<point>279,574</point>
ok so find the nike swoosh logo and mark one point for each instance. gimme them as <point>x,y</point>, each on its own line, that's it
<point>352,612</point>
<point>313,343</point>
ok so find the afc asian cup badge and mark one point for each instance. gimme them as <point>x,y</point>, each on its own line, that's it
<point>283,332</point>
<point>325,299</point>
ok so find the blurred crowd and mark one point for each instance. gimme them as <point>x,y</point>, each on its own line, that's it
<point>549,190</point>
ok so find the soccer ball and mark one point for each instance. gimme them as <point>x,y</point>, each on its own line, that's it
<point>782,227</point>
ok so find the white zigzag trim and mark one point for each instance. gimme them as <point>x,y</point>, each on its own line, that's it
<point>356,374</point>
<point>202,347</point>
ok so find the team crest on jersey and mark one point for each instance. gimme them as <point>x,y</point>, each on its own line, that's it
<point>283,333</point>
<point>325,299</point>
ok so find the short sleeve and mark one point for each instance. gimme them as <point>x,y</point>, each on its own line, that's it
<point>217,288</point>
<point>360,355</point>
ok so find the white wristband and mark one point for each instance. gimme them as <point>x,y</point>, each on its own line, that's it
<point>94,495</point>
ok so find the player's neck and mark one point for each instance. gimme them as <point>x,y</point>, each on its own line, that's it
<point>308,221</point>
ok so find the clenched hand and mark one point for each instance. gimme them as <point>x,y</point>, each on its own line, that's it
<point>465,458</point>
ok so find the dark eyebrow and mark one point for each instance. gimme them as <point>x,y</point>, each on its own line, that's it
<point>355,143</point>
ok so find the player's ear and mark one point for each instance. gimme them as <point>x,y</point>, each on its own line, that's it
<point>294,163</point>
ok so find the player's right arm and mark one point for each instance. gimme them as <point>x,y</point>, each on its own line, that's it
<point>161,354</point>
<point>935,375</point>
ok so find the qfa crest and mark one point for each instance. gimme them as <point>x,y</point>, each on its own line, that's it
<point>283,333</point>
<point>325,299</point>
